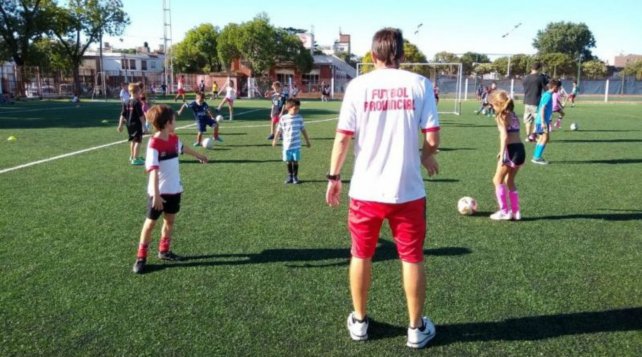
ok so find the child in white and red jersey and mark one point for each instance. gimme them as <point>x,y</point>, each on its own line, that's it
<point>164,187</point>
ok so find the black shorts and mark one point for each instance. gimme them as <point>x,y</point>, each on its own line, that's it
<point>171,205</point>
<point>135,131</point>
<point>515,155</point>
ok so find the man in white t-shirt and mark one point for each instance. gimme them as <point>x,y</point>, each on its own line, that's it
<point>124,93</point>
<point>384,111</point>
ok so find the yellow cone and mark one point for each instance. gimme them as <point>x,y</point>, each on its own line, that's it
<point>11,138</point>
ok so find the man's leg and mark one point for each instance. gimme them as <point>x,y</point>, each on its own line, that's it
<point>360,275</point>
<point>414,283</point>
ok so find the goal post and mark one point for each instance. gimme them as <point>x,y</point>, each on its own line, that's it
<point>447,76</point>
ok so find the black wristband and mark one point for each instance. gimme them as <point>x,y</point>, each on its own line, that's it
<point>336,177</point>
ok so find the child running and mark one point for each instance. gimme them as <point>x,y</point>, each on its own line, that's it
<point>203,117</point>
<point>558,107</point>
<point>132,114</point>
<point>543,122</point>
<point>230,95</point>
<point>164,187</point>
<point>510,158</point>
<point>291,126</point>
<point>573,94</point>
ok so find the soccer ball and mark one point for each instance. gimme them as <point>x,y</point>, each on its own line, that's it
<point>208,143</point>
<point>219,118</point>
<point>574,127</point>
<point>467,206</point>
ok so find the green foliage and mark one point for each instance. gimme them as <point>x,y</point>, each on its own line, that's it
<point>633,69</point>
<point>197,53</point>
<point>446,57</point>
<point>470,59</point>
<point>227,46</point>
<point>594,69</point>
<point>557,64</point>
<point>21,23</point>
<point>520,64</point>
<point>484,68</point>
<point>83,22</point>
<point>565,37</point>
<point>256,44</point>
<point>49,56</point>
<point>291,49</point>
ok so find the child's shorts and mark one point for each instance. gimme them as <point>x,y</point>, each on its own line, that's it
<point>135,131</point>
<point>292,155</point>
<point>202,124</point>
<point>276,119</point>
<point>407,222</point>
<point>171,205</point>
<point>542,128</point>
<point>514,155</point>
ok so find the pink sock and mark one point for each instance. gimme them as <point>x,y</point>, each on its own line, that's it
<point>500,193</point>
<point>514,201</point>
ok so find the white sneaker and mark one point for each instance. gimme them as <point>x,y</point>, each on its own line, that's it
<point>358,330</point>
<point>517,216</point>
<point>501,216</point>
<point>418,338</point>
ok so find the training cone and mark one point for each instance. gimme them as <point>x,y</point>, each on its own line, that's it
<point>12,138</point>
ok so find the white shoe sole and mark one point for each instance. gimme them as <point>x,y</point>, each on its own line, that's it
<point>423,342</point>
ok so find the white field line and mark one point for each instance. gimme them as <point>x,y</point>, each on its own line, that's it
<point>74,153</point>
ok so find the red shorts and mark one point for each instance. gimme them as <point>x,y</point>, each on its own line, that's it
<point>407,222</point>
<point>181,91</point>
<point>275,119</point>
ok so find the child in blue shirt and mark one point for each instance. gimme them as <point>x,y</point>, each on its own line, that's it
<point>203,117</point>
<point>543,121</point>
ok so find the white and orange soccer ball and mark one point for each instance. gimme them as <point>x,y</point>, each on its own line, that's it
<point>467,206</point>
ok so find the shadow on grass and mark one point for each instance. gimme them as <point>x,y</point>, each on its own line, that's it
<point>608,162</point>
<point>440,180</point>
<point>599,141</point>
<point>299,258</point>
<point>534,328</point>
<point>617,217</point>
<point>456,149</point>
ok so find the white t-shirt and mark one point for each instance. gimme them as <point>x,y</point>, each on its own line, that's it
<point>124,95</point>
<point>230,93</point>
<point>162,155</point>
<point>385,110</point>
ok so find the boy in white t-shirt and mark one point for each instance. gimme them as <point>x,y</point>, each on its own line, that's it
<point>384,111</point>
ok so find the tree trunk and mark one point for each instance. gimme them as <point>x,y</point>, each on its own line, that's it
<point>77,89</point>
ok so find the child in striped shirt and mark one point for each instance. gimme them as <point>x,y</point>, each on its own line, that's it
<point>291,126</point>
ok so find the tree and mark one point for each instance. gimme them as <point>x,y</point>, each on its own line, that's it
<point>412,54</point>
<point>594,69</point>
<point>82,23</point>
<point>565,37</point>
<point>197,53</point>
<point>227,46</point>
<point>446,57</point>
<point>520,64</point>
<point>483,68</point>
<point>289,48</point>
<point>557,64</point>
<point>633,69</point>
<point>256,43</point>
<point>470,59</point>
<point>500,65</point>
<point>21,23</point>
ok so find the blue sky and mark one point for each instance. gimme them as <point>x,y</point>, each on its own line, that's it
<point>453,26</point>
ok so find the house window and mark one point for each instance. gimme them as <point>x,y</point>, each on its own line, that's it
<point>152,64</point>
<point>132,64</point>
<point>123,64</point>
<point>283,78</point>
<point>310,78</point>
<point>143,65</point>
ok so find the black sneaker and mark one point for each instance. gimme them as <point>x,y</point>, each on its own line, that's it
<point>139,266</point>
<point>289,180</point>
<point>168,256</point>
<point>295,180</point>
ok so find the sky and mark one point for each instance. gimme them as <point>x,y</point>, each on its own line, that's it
<point>432,25</point>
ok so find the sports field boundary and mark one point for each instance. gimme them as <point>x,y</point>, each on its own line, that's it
<point>93,148</point>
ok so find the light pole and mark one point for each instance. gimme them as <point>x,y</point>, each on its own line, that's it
<point>579,67</point>
<point>509,56</point>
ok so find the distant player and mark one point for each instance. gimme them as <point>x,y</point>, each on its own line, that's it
<point>534,84</point>
<point>543,122</point>
<point>291,126</point>
<point>435,91</point>
<point>132,114</point>
<point>510,157</point>
<point>574,93</point>
<point>278,102</point>
<point>558,107</point>
<point>214,90</point>
<point>325,91</point>
<point>230,96</point>
<point>164,187</point>
<point>124,93</point>
<point>180,92</point>
<point>201,86</point>
<point>203,117</point>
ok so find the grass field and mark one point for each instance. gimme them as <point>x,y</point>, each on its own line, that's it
<point>266,267</point>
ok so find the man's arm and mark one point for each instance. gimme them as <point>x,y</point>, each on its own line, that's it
<point>339,153</point>
<point>428,152</point>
